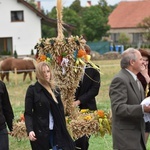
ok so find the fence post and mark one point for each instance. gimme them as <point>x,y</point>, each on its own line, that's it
<point>15,70</point>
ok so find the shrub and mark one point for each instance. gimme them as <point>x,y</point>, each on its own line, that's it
<point>15,54</point>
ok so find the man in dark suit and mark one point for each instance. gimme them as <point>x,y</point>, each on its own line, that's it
<point>126,97</point>
<point>85,96</point>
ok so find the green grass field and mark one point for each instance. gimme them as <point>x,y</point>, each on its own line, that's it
<point>17,94</point>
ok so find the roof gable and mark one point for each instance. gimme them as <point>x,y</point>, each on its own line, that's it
<point>128,14</point>
<point>44,18</point>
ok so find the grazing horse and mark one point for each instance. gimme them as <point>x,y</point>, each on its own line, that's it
<point>26,66</point>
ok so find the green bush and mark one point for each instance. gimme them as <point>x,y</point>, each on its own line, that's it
<point>32,52</point>
<point>5,53</point>
<point>15,54</point>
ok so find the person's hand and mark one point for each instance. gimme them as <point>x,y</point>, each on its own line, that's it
<point>10,133</point>
<point>32,136</point>
<point>144,69</point>
<point>146,108</point>
<point>76,103</point>
<point>144,72</point>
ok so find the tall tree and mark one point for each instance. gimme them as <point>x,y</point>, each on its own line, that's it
<point>69,17</point>
<point>76,6</point>
<point>104,7</point>
<point>95,23</point>
<point>89,21</point>
<point>48,31</point>
<point>145,24</point>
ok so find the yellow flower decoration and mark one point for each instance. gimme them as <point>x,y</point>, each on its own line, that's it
<point>88,117</point>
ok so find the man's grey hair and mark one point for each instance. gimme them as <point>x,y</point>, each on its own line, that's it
<point>126,56</point>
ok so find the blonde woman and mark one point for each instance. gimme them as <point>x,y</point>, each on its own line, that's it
<point>44,113</point>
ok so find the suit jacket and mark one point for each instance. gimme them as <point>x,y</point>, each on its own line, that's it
<point>88,89</point>
<point>127,114</point>
<point>38,104</point>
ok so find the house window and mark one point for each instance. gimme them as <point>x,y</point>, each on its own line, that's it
<point>137,37</point>
<point>17,16</point>
<point>5,46</point>
<point>114,37</point>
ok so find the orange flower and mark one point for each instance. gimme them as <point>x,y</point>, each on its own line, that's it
<point>101,113</point>
<point>22,117</point>
<point>42,57</point>
<point>81,53</point>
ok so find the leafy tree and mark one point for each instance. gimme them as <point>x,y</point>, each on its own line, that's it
<point>104,7</point>
<point>91,22</point>
<point>95,23</point>
<point>112,7</point>
<point>48,31</point>
<point>76,6</point>
<point>146,25</point>
<point>69,16</point>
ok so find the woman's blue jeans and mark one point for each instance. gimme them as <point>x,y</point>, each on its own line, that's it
<point>54,147</point>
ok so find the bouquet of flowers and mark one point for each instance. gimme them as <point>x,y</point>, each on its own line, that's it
<point>19,129</point>
<point>89,123</point>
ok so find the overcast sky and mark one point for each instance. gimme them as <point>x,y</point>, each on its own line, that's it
<point>49,4</point>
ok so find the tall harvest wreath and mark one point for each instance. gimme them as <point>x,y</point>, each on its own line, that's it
<point>64,55</point>
<point>68,57</point>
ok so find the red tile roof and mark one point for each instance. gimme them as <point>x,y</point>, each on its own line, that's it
<point>129,13</point>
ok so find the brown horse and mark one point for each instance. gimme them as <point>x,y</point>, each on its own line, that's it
<point>26,66</point>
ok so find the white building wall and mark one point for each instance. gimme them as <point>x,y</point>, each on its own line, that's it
<point>24,34</point>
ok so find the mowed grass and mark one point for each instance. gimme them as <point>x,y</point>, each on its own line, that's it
<point>17,89</point>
